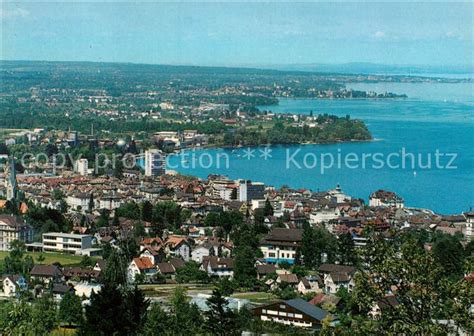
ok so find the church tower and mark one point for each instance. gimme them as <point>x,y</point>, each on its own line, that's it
<point>10,180</point>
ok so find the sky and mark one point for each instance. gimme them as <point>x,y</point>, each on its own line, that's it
<point>225,33</point>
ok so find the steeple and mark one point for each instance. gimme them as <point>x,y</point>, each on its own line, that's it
<point>10,180</point>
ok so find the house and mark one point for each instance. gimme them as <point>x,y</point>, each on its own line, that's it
<point>100,265</point>
<point>155,254</point>
<point>386,199</point>
<point>287,279</point>
<point>221,267</point>
<point>46,273</point>
<point>177,263</point>
<point>13,228</point>
<point>166,269</point>
<point>280,245</point>
<point>142,265</point>
<point>79,201</point>
<point>59,290</point>
<point>336,277</point>
<point>81,274</point>
<point>178,246</point>
<point>13,284</point>
<point>309,285</point>
<point>265,270</point>
<point>387,303</point>
<point>322,299</point>
<point>201,251</point>
<point>295,312</point>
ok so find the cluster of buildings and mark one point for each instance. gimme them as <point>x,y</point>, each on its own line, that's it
<point>161,257</point>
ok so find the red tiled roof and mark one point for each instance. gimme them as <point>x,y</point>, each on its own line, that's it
<point>143,263</point>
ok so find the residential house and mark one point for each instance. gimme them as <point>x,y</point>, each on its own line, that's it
<point>322,300</point>
<point>295,312</point>
<point>336,277</point>
<point>386,199</point>
<point>310,284</point>
<point>12,285</point>
<point>142,265</point>
<point>60,289</point>
<point>265,270</point>
<point>178,247</point>
<point>387,303</point>
<point>46,273</point>
<point>201,251</point>
<point>280,245</point>
<point>287,279</point>
<point>155,254</point>
<point>221,267</point>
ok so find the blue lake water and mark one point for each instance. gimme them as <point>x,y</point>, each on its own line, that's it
<point>436,118</point>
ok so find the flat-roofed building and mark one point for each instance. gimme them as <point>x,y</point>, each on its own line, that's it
<point>154,163</point>
<point>66,242</point>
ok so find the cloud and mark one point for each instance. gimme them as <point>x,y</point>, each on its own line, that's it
<point>379,34</point>
<point>12,13</point>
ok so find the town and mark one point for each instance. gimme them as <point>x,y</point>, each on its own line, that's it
<point>82,245</point>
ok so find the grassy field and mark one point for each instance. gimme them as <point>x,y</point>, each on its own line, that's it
<point>165,290</point>
<point>256,297</point>
<point>63,259</point>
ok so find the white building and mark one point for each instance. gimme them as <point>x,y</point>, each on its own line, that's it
<point>325,214</point>
<point>13,284</point>
<point>154,162</point>
<point>386,199</point>
<point>67,242</point>
<point>82,167</point>
<point>469,224</point>
<point>13,228</point>
<point>79,201</point>
<point>338,195</point>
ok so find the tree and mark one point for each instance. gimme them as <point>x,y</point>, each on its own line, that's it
<point>86,261</point>
<point>139,230</point>
<point>187,319</point>
<point>345,249</point>
<point>105,315</point>
<point>268,209</point>
<point>147,211</point>
<point>4,149</point>
<point>115,311</point>
<point>70,309</point>
<point>420,286</point>
<point>118,169</point>
<point>115,271</point>
<point>449,253</point>
<point>308,248</point>
<point>135,306</point>
<point>157,321</point>
<point>51,150</point>
<point>191,273</point>
<point>245,272</point>
<point>91,202</point>
<point>220,319</point>
<point>43,315</point>
<point>17,261</point>
<point>18,321</point>
<point>129,210</point>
